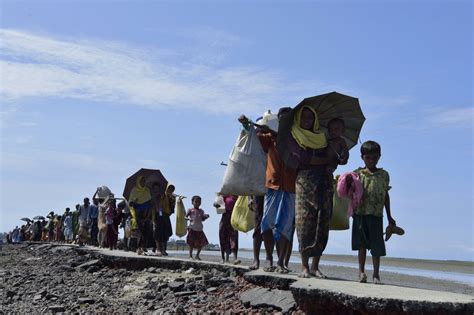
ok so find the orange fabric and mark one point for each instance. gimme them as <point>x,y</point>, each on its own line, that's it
<point>277,175</point>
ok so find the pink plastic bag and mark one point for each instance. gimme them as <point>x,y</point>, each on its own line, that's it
<point>354,194</point>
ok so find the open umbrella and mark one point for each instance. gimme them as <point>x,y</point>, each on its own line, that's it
<point>39,217</point>
<point>328,106</point>
<point>151,176</point>
<point>25,219</point>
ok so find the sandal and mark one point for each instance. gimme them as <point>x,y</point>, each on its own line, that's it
<point>281,270</point>
<point>269,269</point>
<point>393,229</point>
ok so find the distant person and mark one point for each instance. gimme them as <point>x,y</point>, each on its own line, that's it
<point>75,222</point>
<point>43,229</point>
<point>15,235</point>
<point>67,226</point>
<point>228,236</point>
<point>140,208</point>
<point>125,224</point>
<point>110,219</point>
<point>37,231</point>
<point>58,229</point>
<point>93,217</point>
<point>367,225</point>
<point>84,222</point>
<point>196,237</point>
<point>119,214</point>
<point>164,208</point>
<point>50,226</point>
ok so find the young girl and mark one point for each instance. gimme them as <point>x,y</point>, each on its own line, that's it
<point>196,237</point>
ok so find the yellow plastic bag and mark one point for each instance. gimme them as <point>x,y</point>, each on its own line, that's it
<point>242,218</point>
<point>180,219</point>
<point>133,220</point>
<point>339,220</point>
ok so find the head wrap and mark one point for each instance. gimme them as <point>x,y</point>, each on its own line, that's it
<point>308,139</point>
<point>140,194</point>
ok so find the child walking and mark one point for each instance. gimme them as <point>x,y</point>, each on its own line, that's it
<point>110,220</point>
<point>367,225</point>
<point>196,237</point>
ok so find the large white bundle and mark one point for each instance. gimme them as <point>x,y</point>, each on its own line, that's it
<point>103,192</point>
<point>245,172</point>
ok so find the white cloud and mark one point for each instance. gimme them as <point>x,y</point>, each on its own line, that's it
<point>461,117</point>
<point>41,66</point>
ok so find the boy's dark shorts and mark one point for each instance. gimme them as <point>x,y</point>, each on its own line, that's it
<point>367,231</point>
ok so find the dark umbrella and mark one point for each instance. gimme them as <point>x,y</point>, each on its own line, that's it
<point>25,219</point>
<point>151,177</point>
<point>39,217</point>
<point>328,106</point>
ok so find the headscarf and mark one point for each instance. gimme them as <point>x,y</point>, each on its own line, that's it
<point>140,194</point>
<point>312,139</point>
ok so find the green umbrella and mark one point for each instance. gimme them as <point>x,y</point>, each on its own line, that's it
<point>327,106</point>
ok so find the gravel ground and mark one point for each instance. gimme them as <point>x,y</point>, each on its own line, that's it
<point>46,279</point>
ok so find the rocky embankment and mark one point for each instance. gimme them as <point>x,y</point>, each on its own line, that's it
<point>51,279</point>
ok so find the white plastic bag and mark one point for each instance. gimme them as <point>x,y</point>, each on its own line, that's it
<point>221,204</point>
<point>245,172</point>
<point>269,119</point>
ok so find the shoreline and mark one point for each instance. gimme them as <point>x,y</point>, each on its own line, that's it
<point>459,266</point>
<point>351,274</point>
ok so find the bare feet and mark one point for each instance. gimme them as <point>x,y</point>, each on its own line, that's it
<point>377,280</point>
<point>255,265</point>
<point>237,262</point>
<point>304,273</point>
<point>362,277</point>
<point>318,274</point>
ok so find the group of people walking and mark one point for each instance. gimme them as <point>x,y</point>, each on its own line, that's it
<point>299,197</point>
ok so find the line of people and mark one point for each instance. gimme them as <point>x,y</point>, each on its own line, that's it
<point>299,197</point>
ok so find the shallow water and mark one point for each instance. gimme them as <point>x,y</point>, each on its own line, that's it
<point>465,278</point>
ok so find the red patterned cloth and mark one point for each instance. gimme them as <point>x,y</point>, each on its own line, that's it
<point>196,239</point>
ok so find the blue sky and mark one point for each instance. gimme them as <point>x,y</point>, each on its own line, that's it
<point>91,91</point>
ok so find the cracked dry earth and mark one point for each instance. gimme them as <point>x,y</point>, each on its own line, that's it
<point>41,278</point>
